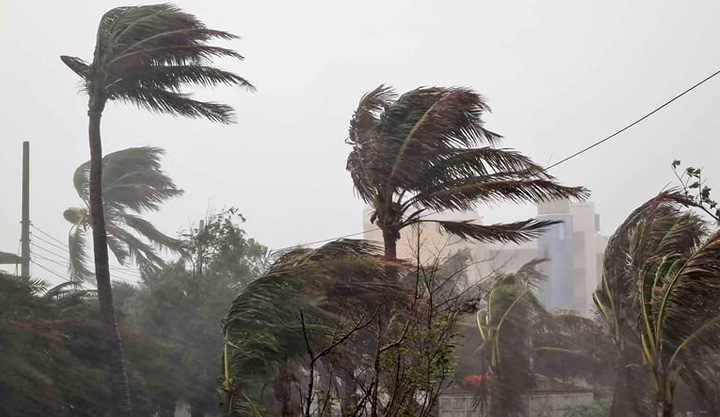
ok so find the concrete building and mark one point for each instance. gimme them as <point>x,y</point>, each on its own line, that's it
<point>573,248</point>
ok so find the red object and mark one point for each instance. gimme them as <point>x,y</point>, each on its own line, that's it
<point>476,378</point>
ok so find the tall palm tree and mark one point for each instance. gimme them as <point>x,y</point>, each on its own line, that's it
<point>132,184</point>
<point>144,55</point>
<point>659,298</point>
<point>428,150</point>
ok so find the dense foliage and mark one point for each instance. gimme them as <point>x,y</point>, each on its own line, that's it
<point>659,299</point>
<point>343,328</point>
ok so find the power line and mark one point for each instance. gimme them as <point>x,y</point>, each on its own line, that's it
<point>66,279</point>
<point>49,235</point>
<point>657,109</point>
<point>37,255</point>
<point>40,238</point>
<point>49,251</point>
<point>48,270</point>
<point>576,154</point>
<point>127,272</point>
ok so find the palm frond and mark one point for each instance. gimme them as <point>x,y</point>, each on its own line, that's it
<point>177,104</point>
<point>77,250</point>
<point>140,253</point>
<point>146,54</point>
<point>145,228</point>
<point>455,164</point>
<point>78,66</point>
<point>173,77</point>
<point>467,193</point>
<point>692,298</point>
<point>119,249</point>
<point>516,232</point>
<point>81,181</point>
<point>427,119</point>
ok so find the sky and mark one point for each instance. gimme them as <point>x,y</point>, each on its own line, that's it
<point>559,75</point>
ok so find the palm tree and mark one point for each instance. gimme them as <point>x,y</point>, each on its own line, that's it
<point>660,287</point>
<point>428,150</point>
<point>132,184</point>
<point>49,378</point>
<point>330,287</point>
<point>144,55</point>
<point>505,329</point>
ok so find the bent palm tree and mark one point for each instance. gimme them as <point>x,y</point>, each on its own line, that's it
<point>338,283</point>
<point>144,55</point>
<point>429,151</point>
<point>660,286</point>
<point>132,183</point>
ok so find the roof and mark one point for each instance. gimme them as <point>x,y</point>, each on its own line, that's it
<point>543,386</point>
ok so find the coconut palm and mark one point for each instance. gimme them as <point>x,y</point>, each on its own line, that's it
<point>505,325</point>
<point>144,55</point>
<point>661,287</point>
<point>428,150</point>
<point>132,184</point>
<point>331,287</point>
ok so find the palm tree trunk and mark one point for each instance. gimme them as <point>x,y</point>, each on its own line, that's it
<point>631,396</point>
<point>663,408</point>
<point>390,239</point>
<point>112,344</point>
<point>664,395</point>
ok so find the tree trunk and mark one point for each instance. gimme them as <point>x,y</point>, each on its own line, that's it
<point>664,409</point>
<point>112,344</point>
<point>348,395</point>
<point>390,238</point>
<point>631,398</point>
<point>664,396</point>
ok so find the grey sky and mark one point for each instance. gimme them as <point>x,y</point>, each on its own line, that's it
<point>558,75</point>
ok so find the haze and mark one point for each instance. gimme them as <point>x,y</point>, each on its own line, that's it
<point>558,75</point>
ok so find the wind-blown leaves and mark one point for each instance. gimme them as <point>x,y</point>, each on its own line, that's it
<point>146,54</point>
<point>429,150</point>
<point>339,282</point>
<point>516,232</point>
<point>661,286</point>
<point>505,325</point>
<point>132,182</point>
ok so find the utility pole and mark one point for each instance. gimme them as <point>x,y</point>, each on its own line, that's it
<point>200,242</point>
<point>25,231</point>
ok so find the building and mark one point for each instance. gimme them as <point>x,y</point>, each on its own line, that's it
<point>573,248</point>
<point>550,398</point>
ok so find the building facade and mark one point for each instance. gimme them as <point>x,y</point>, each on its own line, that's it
<point>573,249</point>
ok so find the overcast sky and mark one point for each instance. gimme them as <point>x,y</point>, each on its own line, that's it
<point>558,75</point>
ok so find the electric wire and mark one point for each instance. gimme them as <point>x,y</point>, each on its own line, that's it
<point>657,109</point>
<point>65,247</point>
<point>128,273</point>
